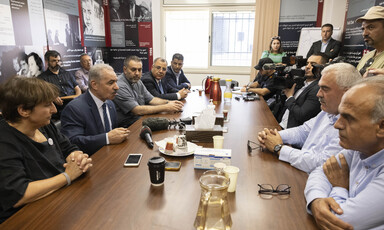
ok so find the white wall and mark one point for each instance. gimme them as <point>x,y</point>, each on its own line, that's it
<point>334,12</point>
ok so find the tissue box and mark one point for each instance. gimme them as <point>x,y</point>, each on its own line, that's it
<point>205,158</point>
<point>218,121</point>
<point>194,135</point>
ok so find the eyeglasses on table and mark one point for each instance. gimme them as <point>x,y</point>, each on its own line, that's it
<point>267,191</point>
<point>251,145</point>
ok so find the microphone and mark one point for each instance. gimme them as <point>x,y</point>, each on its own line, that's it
<point>162,123</point>
<point>146,134</point>
<point>156,123</point>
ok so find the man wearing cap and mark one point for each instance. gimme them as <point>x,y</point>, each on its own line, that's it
<point>327,44</point>
<point>372,25</point>
<point>263,83</point>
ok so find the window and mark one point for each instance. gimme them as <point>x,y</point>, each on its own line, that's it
<point>186,33</point>
<point>210,38</point>
<point>232,38</point>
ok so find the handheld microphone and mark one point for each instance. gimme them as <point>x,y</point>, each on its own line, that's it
<point>146,134</point>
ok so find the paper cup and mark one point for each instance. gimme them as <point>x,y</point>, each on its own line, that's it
<point>219,167</point>
<point>218,142</point>
<point>232,172</point>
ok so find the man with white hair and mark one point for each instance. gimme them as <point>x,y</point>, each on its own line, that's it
<point>90,121</point>
<point>316,140</point>
<point>348,190</point>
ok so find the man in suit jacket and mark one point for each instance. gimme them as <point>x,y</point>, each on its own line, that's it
<point>129,10</point>
<point>90,121</point>
<point>327,44</point>
<point>303,104</point>
<point>175,77</point>
<point>153,81</point>
<point>114,10</point>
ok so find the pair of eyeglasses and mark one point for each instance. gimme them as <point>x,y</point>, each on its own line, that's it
<point>251,145</point>
<point>281,189</point>
<point>276,37</point>
<point>267,191</point>
<point>366,65</point>
<point>160,68</point>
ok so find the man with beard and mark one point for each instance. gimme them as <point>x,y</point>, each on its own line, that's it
<point>316,140</point>
<point>61,78</point>
<point>175,76</point>
<point>372,25</point>
<point>327,44</point>
<point>154,82</point>
<point>134,100</point>
<point>90,120</point>
<point>302,104</point>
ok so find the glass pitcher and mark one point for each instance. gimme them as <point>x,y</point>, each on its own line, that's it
<point>213,212</point>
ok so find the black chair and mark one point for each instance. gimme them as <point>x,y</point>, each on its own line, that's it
<point>234,83</point>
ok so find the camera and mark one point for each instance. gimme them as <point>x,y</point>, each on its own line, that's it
<point>285,77</point>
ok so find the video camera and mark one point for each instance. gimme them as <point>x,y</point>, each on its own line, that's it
<point>289,74</point>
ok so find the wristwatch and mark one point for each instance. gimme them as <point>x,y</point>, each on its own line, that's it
<point>277,148</point>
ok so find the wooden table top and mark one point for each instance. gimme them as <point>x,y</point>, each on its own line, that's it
<point>111,196</point>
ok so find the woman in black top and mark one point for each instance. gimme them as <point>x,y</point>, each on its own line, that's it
<point>35,158</point>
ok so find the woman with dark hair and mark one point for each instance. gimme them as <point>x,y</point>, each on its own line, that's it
<point>275,51</point>
<point>35,158</point>
<point>35,65</point>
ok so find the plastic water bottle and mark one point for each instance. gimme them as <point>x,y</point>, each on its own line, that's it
<point>228,91</point>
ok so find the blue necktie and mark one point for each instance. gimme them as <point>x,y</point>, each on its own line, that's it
<point>161,88</point>
<point>107,127</point>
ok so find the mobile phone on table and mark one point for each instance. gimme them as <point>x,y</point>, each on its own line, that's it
<point>133,159</point>
<point>172,165</point>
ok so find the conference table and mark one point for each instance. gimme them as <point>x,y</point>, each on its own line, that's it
<point>111,196</point>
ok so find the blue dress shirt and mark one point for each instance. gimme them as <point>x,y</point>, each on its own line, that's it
<point>362,203</point>
<point>317,138</point>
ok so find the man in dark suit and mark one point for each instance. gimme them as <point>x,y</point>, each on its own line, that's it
<point>153,81</point>
<point>113,10</point>
<point>129,10</point>
<point>327,44</point>
<point>90,120</point>
<point>302,104</point>
<point>175,77</point>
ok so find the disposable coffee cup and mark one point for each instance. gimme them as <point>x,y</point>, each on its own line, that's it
<point>218,142</point>
<point>219,167</point>
<point>231,172</point>
<point>156,166</point>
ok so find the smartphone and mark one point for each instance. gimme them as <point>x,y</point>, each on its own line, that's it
<point>172,165</point>
<point>133,159</point>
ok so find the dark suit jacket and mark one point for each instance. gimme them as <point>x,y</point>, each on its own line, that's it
<point>81,123</point>
<point>332,50</point>
<point>170,79</point>
<point>152,86</point>
<point>124,12</point>
<point>304,107</point>
<point>113,14</point>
